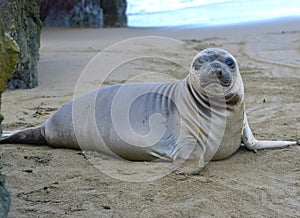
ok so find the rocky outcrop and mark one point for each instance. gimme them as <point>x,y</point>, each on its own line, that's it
<point>9,53</point>
<point>4,195</point>
<point>114,13</point>
<point>84,13</point>
<point>72,13</point>
<point>21,19</point>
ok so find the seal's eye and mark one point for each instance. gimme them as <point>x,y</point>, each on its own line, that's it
<point>230,63</point>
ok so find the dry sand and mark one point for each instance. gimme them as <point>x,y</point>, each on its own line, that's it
<point>48,182</point>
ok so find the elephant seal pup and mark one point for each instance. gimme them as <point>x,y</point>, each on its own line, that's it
<point>188,122</point>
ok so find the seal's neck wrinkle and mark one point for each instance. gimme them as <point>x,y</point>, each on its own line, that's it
<point>199,95</point>
<point>198,98</point>
<point>236,94</point>
<point>204,117</point>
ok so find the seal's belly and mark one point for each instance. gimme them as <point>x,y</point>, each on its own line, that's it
<point>134,122</point>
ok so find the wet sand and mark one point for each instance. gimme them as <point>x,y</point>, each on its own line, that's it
<point>48,182</point>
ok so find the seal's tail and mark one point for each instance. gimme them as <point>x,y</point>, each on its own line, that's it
<point>34,135</point>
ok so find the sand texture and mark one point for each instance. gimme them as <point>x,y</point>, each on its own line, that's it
<point>48,182</point>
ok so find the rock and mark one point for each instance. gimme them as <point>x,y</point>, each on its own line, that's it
<point>114,13</point>
<point>84,13</point>
<point>9,53</point>
<point>21,19</point>
<point>72,13</point>
<point>5,198</point>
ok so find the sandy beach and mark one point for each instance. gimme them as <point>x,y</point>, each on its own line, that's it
<point>48,182</point>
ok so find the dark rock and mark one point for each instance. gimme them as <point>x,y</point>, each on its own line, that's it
<point>114,13</point>
<point>21,19</point>
<point>5,198</point>
<point>84,13</point>
<point>106,207</point>
<point>72,13</point>
<point>28,171</point>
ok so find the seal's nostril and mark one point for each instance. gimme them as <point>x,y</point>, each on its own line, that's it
<point>217,69</point>
<point>219,73</point>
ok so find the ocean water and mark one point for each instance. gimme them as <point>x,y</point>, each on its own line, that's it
<point>163,13</point>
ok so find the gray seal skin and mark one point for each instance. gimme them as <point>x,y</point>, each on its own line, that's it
<point>188,122</point>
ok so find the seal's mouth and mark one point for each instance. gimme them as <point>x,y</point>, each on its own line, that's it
<point>217,88</point>
<point>225,83</point>
<point>218,83</point>
<point>222,82</point>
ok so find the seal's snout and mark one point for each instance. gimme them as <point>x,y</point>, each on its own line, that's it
<point>216,65</point>
<point>219,71</point>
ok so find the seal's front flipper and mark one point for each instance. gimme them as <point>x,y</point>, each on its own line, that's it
<point>252,144</point>
<point>188,158</point>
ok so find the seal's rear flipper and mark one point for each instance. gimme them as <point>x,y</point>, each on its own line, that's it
<point>252,144</point>
<point>34,135</point>
<point>5,134</point>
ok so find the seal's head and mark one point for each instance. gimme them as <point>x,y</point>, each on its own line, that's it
<point>214,72</point>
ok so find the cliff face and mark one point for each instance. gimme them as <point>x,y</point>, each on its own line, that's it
<point>84,13</point>
<point>9,52</point>
<point>72,13</point>
<point>21,19</point>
